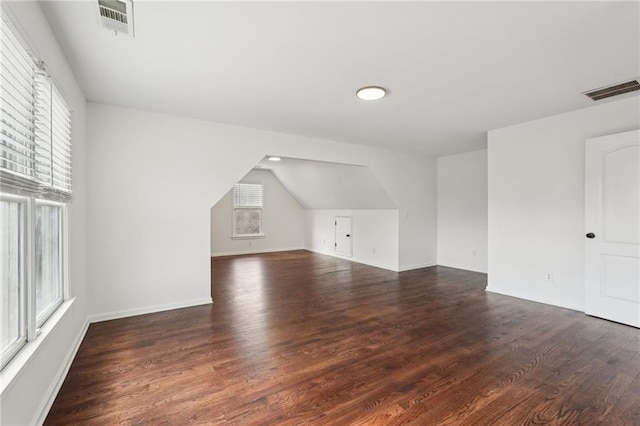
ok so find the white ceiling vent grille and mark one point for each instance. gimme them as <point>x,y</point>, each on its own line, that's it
<point>614,90</point>
<point>116,15</point>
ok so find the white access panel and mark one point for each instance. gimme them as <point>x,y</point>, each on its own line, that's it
<point>344,239</point>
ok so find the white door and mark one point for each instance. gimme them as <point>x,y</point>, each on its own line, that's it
<point>612,216</point>
<point>343,235</point>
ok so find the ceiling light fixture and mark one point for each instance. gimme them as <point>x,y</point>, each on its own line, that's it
<point>371,93</point>
<point>274,158</point>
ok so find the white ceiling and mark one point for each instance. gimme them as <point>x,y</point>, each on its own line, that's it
<point>454,69</point>
<point>322,185</point>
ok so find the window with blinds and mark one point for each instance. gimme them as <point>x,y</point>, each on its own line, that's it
<point>35,125</point>
<point>247,195</point>
<point>35,188</point>
<point>247,210</point>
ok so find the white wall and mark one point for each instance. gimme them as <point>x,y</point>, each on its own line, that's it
<point>536,201</point>
<point>462,211</point>
<point>28,396</point>
<point>374,235</point>
<point>283,221</point>
<point>322,185</point>
<point>155,177</point>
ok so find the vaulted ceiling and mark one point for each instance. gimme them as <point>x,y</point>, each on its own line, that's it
<point>322,185</point>
<point>453,69</point>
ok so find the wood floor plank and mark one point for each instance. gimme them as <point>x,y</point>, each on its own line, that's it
<point>300,338</point>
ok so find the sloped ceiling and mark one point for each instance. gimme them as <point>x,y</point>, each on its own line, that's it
<point>321,185</point>
<point>454,69</point>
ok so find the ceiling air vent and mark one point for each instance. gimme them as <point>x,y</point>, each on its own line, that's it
<point>116,15</point>
<point>615,90</point>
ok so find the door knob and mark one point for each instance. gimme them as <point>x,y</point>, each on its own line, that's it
<point>590,235</point>
<point>348,235</point>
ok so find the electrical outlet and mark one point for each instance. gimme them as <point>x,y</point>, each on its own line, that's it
<point>373,250</point>
<point>549,277</point>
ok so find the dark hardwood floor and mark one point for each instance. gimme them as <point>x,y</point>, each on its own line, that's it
<point>299,338</point>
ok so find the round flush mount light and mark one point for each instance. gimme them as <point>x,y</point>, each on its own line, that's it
<point>371,93</point>
<point>272,158</point>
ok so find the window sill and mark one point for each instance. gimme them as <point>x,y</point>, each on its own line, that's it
<point>19,362</point>
<point>248,237</point>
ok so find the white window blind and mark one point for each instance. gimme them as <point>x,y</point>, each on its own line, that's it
<point>42,118</point>
<point>247,195</point>
<point>17,107</point>
<point>60,143</point>
<point>247,210</point>
<point>35,126</point>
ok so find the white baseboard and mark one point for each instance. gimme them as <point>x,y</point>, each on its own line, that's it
<point>148,310</point>
<point>417,266</point>
<point>521,297</point>
<point>54,388</point>
<point>353,259</point>
<point>249,251</point>
<point>464,268</point>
